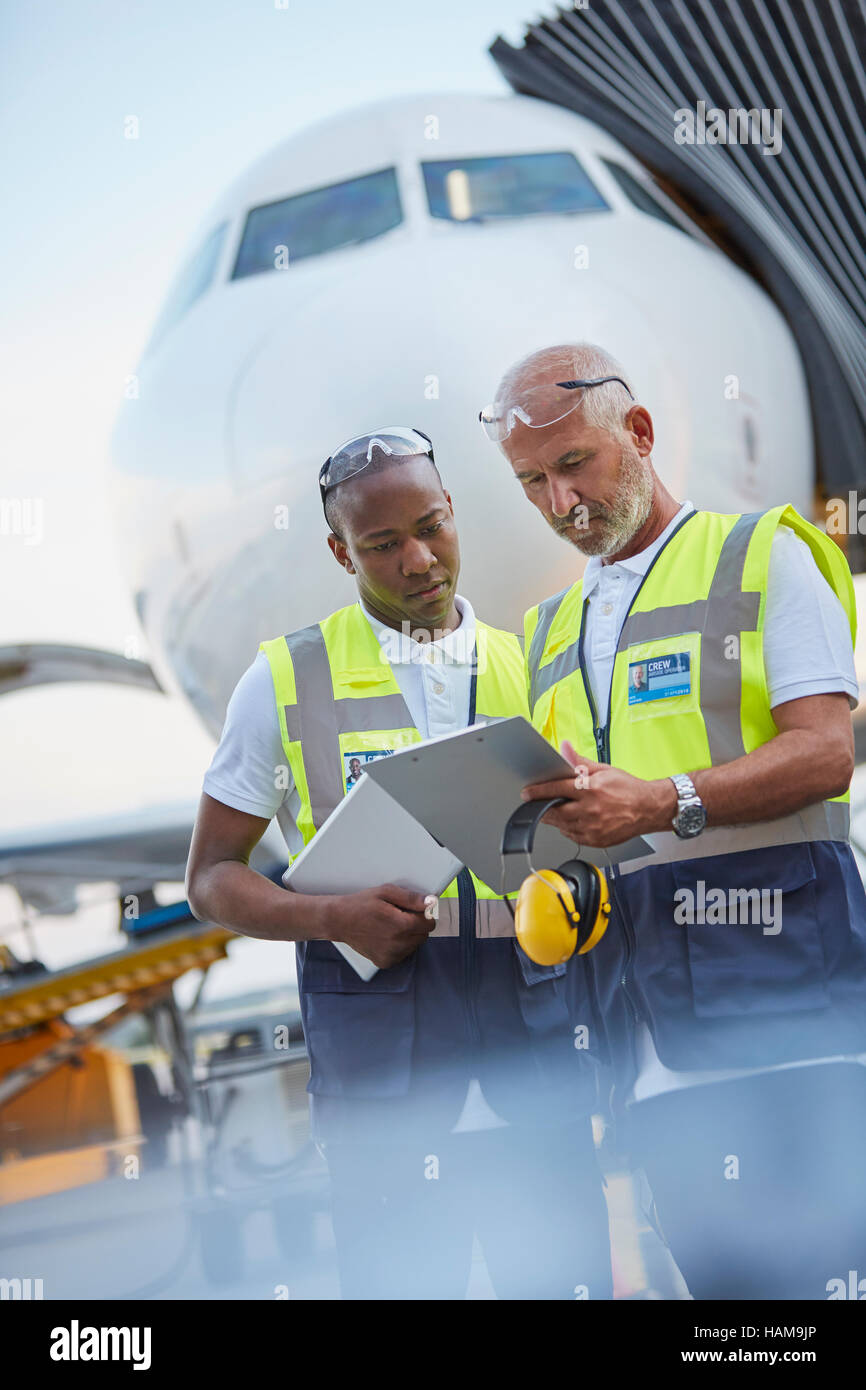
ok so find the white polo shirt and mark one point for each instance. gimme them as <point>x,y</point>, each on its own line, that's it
<point>434,678</point>
<point>807,651</point>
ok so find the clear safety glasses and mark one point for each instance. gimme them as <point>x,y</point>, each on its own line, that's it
<point>538,406</point>
<point>355,454</point>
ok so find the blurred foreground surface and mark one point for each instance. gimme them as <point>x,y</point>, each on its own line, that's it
<point>148,1239</point>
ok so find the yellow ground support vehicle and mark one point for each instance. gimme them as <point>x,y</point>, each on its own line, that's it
<point>69,1108</point>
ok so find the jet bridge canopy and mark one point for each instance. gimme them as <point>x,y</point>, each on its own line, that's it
<point>778,171</point>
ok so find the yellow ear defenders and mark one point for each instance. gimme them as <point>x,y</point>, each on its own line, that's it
<point>558,911</point>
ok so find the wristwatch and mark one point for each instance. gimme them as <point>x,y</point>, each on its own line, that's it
<point>691,817</point>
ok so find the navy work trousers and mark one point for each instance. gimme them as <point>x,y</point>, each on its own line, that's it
<point>759,1183</point>
<point>405,1212</point>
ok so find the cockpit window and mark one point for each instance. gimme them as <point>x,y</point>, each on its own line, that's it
<point>309,224</point>
<point>516,185</point>
<point>641,194</point>
<point>194,278</point>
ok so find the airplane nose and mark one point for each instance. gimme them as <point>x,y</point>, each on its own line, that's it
<point>420,338</point>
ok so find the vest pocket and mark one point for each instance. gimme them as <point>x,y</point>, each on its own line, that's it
<point>753,937</point>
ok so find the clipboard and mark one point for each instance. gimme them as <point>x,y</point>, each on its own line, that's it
<point>368,840</point>
<point>463,787</point>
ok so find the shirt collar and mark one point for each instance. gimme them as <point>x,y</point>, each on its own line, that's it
<point>635,564</point>
<point>455,647</point>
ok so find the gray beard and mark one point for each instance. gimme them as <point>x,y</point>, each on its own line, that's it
<point>623,519</point>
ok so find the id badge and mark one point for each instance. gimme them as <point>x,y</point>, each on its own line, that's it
<point>353,763</point>
<point>659,678</point>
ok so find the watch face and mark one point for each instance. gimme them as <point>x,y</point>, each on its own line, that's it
<point>691,820</point>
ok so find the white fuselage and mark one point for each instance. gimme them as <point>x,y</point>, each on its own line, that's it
<point>242,397</point>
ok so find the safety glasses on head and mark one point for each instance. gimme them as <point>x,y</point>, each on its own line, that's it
<point>354,456</point>
<point>538,406</point>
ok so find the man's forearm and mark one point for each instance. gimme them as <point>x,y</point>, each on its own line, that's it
<point>790,771</point>
<point>237,897</point>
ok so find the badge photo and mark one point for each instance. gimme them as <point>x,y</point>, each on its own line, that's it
<point>659,677</point>
<point>353,763</point>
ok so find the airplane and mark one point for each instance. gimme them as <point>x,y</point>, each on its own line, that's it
<point>385,266</point>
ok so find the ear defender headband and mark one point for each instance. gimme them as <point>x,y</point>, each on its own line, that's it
<point>558,911</point>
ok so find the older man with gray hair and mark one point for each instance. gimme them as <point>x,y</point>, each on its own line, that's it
<point>737,1037</point>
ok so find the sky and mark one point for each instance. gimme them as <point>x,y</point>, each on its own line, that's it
<point>94,230</point>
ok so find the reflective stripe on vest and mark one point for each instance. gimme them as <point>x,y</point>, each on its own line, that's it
<point>569,660</point>
<point>725,610</point>
<point>316,724</point>
<point>317,719</point>
<point>823,820</point>
<point>733,708</point>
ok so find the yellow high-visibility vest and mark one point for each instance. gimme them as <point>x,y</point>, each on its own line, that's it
<point>337,697</point>
<point>700,608</point>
